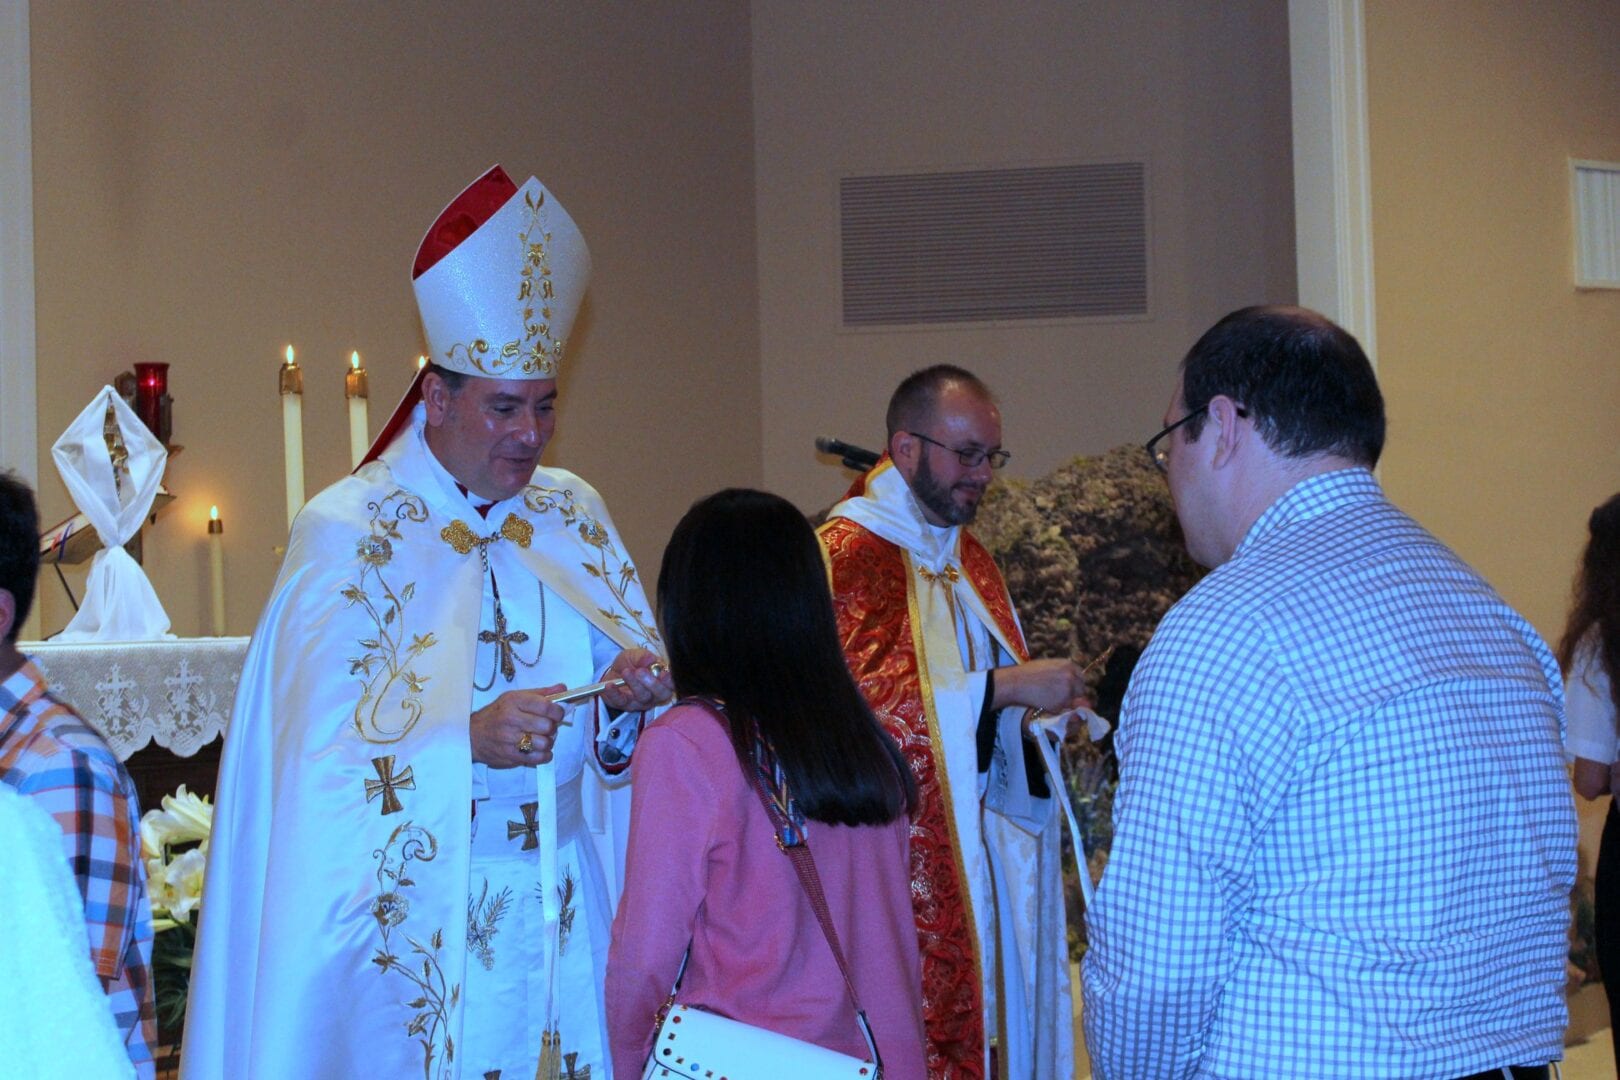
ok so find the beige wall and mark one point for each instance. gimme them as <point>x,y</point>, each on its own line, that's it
<point>1198,91</point>
<point>1502,379</point>
<point>213,181</point>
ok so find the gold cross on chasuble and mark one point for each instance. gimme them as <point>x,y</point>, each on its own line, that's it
<point>504,642</point>
<point>528,828</point>
<point>386,783</point>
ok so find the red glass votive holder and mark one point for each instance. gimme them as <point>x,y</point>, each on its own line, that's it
<point>152,397</point>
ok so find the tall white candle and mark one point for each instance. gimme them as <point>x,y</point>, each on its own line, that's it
<point>355,389</point>
<point>292,430</point>
<point>216,568</point>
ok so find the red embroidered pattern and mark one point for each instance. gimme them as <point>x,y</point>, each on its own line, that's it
<point>869,596</point>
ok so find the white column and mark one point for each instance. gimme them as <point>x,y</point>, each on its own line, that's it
<point>19,435</point>
<point>1332,182</point>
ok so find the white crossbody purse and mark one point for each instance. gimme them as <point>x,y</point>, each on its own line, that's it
<point>691,1042</point>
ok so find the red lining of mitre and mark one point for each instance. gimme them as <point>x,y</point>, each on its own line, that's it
<point>475,205</point>
<point>466,212</point>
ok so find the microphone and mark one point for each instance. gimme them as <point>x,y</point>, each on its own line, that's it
<point>853,457</point>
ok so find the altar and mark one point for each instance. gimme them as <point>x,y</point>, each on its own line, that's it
<point>176,693</point>
<point>161,705</point>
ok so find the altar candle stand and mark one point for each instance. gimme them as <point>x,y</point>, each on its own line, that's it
<point>216,568</point>
<point>355,389</point>
<point>292,429</point>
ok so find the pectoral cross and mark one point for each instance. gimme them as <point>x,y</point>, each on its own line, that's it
<point>504,642</point>
<point>528,828</point>
<point>386,783</point>
<point>582,1074</point>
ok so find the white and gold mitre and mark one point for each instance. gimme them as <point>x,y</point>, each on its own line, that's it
<point>499,278</point>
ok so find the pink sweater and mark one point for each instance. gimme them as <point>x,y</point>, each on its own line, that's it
<point>703,867</point>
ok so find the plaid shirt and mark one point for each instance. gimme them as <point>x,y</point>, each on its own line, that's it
<point>49,754</point>
<point>1344,837</point>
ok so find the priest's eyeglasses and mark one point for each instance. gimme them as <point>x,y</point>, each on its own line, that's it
<point>970,456</point>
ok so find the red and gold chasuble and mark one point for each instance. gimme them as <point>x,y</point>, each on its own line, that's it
<point>874,586</point>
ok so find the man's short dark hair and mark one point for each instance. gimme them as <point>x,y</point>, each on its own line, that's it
<point>454,381</point>
<point>1305,382</point>
<point>912,403</point>
<point>19,547</point>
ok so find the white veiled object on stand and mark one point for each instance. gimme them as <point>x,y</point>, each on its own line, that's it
<point>112,467</point>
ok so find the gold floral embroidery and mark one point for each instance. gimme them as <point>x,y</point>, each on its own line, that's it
<point>517,530</point>
<point>611,568</point>
<point>537,354</point>
<point>389,652</point>
<point>388,782</point>
<point>565,916</point>
<point>435,998</point>
<point>459,535</point>
<point>484,921</point>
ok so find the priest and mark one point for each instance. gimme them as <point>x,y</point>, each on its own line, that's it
<point>400,879</point>
<point>931,635</point>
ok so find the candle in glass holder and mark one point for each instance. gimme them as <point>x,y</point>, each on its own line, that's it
<point>216,569</point>
<point>152,398</point>
<point>292,430</point>
<point>355,389</point>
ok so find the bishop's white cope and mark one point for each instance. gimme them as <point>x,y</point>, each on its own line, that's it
<point>368,887</point>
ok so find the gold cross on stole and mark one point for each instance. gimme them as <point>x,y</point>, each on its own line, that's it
<point>528,828</point>
<point>386,783</point>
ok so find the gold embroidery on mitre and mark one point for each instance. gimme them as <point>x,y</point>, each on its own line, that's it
<point>537,353</point>
<point>388,783</point>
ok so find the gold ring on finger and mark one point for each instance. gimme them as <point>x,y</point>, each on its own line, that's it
<point>526,744</point>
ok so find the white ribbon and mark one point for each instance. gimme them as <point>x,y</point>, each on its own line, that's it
<point>1048,736</point>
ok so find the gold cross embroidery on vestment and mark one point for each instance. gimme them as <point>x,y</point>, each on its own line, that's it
<point>387,782</point>
<point>528,828</point>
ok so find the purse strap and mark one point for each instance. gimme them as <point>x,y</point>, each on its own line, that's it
<point>771,787</point>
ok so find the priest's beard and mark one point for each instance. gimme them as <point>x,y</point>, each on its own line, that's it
<point>938,497</point>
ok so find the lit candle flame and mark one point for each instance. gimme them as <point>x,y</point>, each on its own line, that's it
<point>421,362</point>
<point>354,361</point>
<point>213,513</point>
<point>289,356</point>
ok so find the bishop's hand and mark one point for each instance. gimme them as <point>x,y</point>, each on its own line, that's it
<point>517,728</point>
<point>643,687</point>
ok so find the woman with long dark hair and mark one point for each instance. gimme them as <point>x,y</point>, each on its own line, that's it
<point>748,623</point>
<point>1590,655</point>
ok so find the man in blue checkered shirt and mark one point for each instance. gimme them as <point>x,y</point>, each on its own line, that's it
<point>1344,838</point>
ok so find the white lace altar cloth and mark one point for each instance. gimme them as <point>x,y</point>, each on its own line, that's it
<point>177,693</point>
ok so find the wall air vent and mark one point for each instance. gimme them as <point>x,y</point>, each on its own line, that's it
<point>990,245</point>
<point>1597,224</point>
